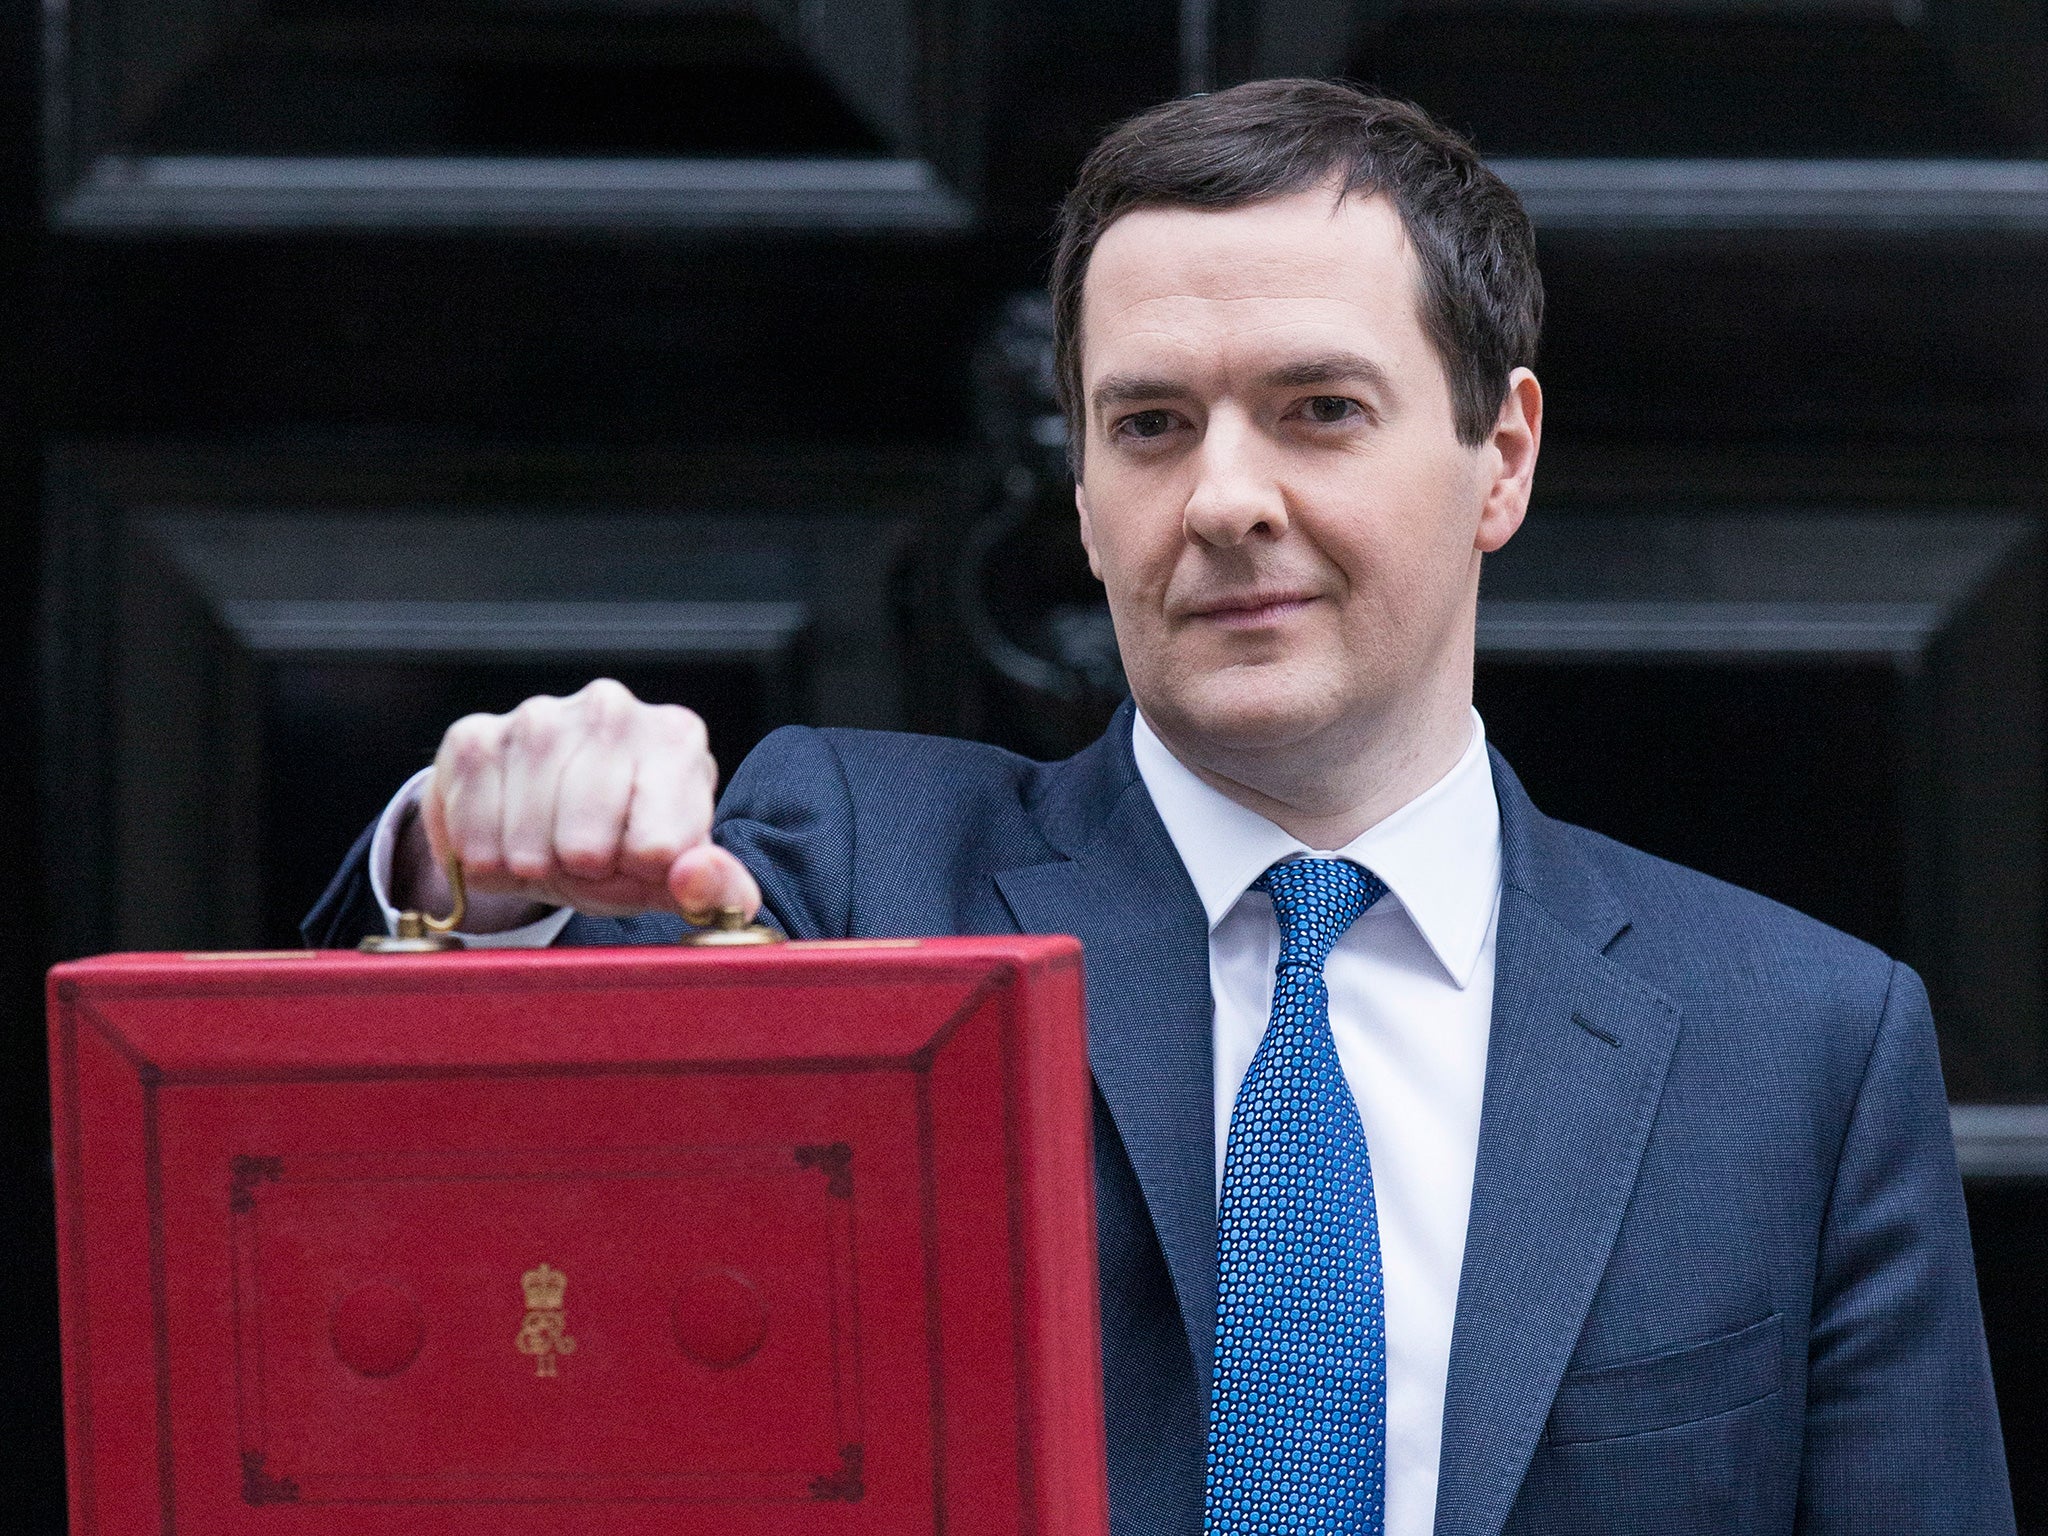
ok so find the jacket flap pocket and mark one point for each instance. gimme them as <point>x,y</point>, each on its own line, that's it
<point>1660,1391</point>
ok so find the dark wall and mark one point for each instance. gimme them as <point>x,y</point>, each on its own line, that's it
<point>32,1413</point>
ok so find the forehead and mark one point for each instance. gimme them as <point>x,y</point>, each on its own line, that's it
<point>1306,269</point>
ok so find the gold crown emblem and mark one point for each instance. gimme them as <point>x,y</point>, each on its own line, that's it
<point>544,1288</point>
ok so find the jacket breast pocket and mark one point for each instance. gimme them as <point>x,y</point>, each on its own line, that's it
<point>1663,1391</point>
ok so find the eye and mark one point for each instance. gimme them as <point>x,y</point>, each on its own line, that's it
<point>1329,408</point>
<point>1146,424</point>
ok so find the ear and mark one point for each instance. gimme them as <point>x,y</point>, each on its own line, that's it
<point>1087,529</point>
<point>1510,457</point>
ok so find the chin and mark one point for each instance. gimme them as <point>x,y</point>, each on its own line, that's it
<point>1241,712</point>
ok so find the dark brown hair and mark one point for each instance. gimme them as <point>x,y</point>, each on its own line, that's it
<point>1482,297</point>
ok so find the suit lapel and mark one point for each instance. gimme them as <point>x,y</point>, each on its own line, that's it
<point>1123,891</point>
<point>1575,1069</point>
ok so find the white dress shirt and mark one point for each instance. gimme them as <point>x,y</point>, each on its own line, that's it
<point>1411,1005</point>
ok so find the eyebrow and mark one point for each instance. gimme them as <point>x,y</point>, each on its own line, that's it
<point>1326,368</point>
<point>1130,388</point>
<point>1302,373</point>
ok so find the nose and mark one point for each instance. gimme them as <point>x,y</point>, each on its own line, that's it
<point>1235,496</point>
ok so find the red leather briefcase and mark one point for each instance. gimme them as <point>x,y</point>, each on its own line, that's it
<point>782,1240</point>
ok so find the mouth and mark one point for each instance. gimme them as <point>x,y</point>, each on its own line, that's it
<point>1251,610</point>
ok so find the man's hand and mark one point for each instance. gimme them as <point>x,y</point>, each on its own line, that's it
<point>597,802</point>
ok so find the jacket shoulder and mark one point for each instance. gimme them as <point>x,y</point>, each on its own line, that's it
<point>1690,927</point>
<point>894,772</point>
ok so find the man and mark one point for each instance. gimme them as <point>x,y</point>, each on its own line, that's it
<point>1458,1170</point>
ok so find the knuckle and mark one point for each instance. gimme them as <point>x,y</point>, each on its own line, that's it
<point>584,857</point>
<point>525,864</point>
<point>680,726</point>
<point>607,693</point>
<point>609,708</point>
<point>660,846</point>
<point>536,724</point>
<point>471,742</point>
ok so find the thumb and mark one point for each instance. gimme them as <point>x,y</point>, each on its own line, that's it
<point>705,879</point>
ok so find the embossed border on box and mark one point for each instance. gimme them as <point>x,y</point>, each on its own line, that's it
<point>255,1179</point>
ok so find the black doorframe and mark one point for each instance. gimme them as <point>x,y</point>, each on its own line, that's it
<point>35,1498</point>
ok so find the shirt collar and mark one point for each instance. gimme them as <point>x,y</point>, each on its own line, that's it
<point>1439,855</point>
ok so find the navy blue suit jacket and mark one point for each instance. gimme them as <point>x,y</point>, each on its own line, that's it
<point>1717,1277</point>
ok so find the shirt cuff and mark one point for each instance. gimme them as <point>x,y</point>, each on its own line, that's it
<point>383,848</point>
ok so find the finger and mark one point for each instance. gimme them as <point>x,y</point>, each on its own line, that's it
<point>462,808</point>
<point>706,879</point>
<point>673,781</point>
<point>610,897</point>
<point>537,745</point>
<point>434,815</point>
<point>591,801</point>
<point>595,791</point>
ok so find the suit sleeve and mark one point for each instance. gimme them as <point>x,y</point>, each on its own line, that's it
<point>788,816</point>
<point>1902,1432</point>
<point>347,910</point>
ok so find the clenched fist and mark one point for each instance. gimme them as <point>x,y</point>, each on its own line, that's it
<point>597,802</point>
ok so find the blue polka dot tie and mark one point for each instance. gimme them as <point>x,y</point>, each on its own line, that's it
<point>1298,1423</point>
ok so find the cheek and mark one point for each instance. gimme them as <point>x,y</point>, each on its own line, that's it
<point>1404,530</point>
<point>1133,539</point>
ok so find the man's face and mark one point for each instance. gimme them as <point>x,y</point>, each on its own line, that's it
<point>1274,494</point>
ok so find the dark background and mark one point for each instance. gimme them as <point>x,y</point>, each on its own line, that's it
<point>299,460</point>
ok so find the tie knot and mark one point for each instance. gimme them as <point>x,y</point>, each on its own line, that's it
<point>1315,900</point>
